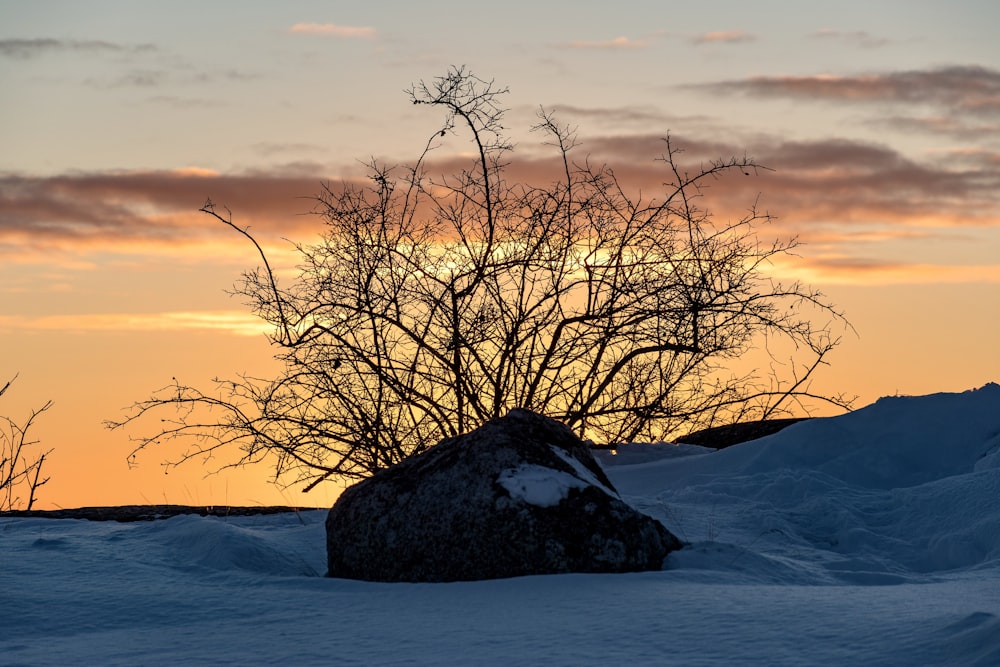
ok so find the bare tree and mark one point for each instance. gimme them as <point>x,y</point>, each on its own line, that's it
<point>20,470</point>
<point>433,303</point>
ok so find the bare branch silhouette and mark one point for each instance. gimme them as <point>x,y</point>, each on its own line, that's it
<point>433,303</point>
<point>20,465</point>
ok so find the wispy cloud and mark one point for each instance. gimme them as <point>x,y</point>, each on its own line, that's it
<point>860,38</point>
<point>619,116</point>
<point>724,37</point>
<point>969,89</point>
<point>979,158</point>
<point>146,78</point>
<point>334,30</point>
<point>618,43</point>
<point>177,102</point>
<point>161,78</point>
<point>229,321</point>
<point>141,212</point>
<point>271,148</point>
<point>956,126</point>
<point>33,48</point>
<point>846,270</point>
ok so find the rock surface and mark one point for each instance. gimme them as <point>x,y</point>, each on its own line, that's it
<point>720,437</point>
<point>520,495</point>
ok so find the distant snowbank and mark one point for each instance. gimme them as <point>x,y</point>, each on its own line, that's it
<point>905,486</point>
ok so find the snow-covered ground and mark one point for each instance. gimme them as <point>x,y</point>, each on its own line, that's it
<point>867,539</point>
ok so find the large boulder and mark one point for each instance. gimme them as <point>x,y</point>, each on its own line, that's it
<point>520,495</point>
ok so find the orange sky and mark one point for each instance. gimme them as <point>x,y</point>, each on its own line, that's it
<point>882,125</point>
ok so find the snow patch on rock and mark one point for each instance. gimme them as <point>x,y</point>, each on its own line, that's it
<point>581,471</point>
<point>538,485</point>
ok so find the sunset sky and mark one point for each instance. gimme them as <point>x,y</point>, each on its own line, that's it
<point>881,121</point>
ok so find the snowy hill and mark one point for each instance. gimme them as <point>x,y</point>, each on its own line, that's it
<point>872,538</point>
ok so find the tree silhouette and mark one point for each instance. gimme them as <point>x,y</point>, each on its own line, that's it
<point>433,303</point>
<point>20,470</point>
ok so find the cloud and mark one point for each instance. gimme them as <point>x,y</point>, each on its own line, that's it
<point>845,183</point>
<point>618,43</point>
<point>856,38</point>
<point>619,116</point>
<point>142,212</point>
<point>156,78</point>
<point>270,148</point>
<point>956,126</point>
<point>196,172</point>
<point>849,181</point>
<point>177,102</point>
<point>33,48</point>
<point>229,321</point>
<point>828,180</point>
<point>826,190</point>
<point>838,195</point>
<point>845,270</point>
<point>966,89</point>
<point>146,78</point>
<point>724,37</point>
<point>977,157</point>
<point>225,75</point>
<point>334,30</point>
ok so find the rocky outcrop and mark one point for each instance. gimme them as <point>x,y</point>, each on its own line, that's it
<point>720,437</point>
<point>520,495</point>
